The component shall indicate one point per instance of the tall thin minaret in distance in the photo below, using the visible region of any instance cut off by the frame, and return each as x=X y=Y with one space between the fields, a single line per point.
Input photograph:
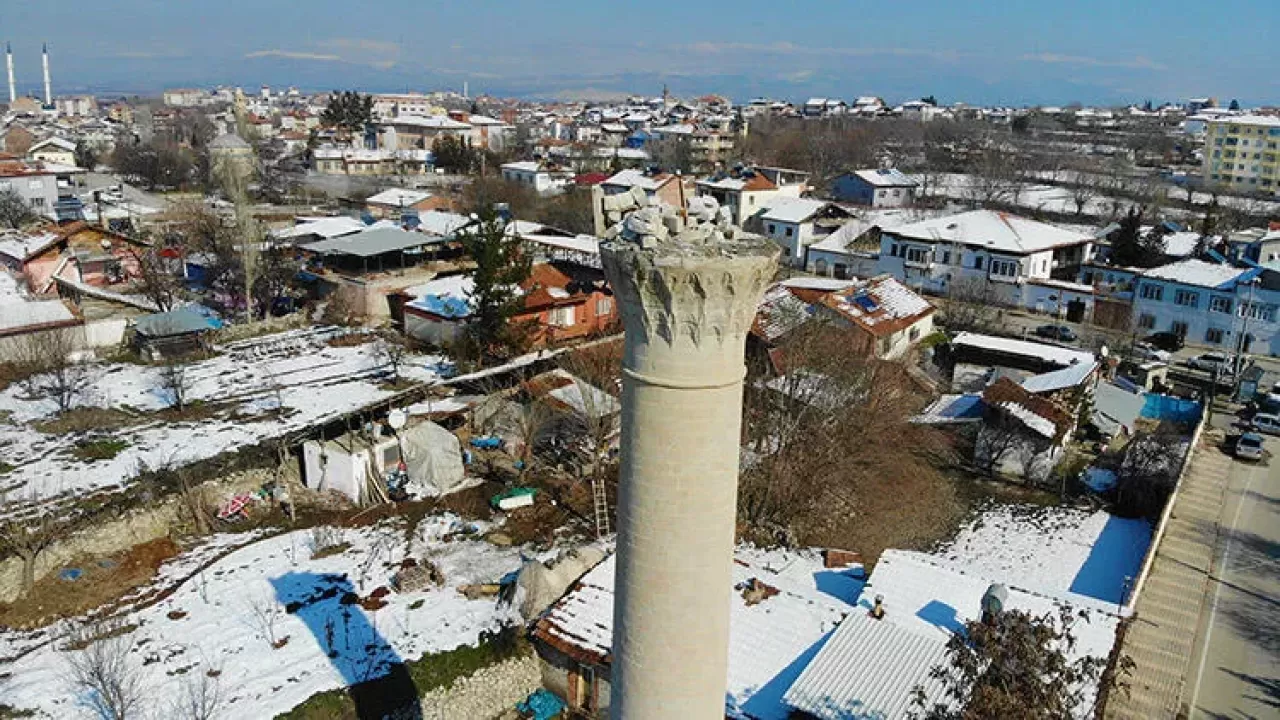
x=48 y=87
x=8 y=58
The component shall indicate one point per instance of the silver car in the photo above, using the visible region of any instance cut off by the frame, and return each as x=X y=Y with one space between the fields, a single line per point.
x=1266 y=423
x=1249 y=446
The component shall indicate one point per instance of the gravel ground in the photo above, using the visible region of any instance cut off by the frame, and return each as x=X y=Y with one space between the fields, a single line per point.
x=486 y=694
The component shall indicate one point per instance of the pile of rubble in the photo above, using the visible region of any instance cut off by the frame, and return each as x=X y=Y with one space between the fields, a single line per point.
x=634 y=217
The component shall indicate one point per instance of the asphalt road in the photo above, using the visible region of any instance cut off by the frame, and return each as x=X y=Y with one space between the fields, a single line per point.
x=1235 y=669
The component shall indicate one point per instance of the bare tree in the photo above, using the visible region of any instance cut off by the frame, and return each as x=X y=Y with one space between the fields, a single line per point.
x=1001 y=440
x=27 y=537
x=14 y=210
x=970 y=305
x=200 y=697
x=157 y=280
x=391 y=350
x=50 y=369
x=195 y=501
x=175 y=383
x=264 y=613
x=1083 y=192
x=101 y=671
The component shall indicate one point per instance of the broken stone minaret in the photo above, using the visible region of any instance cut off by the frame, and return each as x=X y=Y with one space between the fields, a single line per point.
x=688 y=286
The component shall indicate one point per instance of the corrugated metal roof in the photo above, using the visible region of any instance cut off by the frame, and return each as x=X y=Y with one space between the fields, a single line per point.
x=868 y=669
x=375 y=241
x=1067 y=377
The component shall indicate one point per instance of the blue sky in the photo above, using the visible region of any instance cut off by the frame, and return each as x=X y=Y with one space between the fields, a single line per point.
x=1033 y=51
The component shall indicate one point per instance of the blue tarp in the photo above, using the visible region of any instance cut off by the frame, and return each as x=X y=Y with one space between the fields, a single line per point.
x=1172 y=409
x=446 y=306
x=541 y=705
x=190 y=319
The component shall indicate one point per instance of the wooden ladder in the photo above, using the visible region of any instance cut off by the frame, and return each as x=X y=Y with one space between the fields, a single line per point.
x=601 y=501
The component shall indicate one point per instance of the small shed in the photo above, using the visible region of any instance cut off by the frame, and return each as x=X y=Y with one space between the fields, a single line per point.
x=176 y=332
x=350 y=464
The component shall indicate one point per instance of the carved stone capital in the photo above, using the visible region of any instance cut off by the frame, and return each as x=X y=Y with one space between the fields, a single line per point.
x=699 y=298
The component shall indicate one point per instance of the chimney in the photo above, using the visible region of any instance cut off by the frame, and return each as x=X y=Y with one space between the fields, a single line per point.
x=48 y=87
x=877 y=610
x=13 y=87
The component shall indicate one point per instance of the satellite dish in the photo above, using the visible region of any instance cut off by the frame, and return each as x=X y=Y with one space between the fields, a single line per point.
x=397 y=419
x=1104 y=351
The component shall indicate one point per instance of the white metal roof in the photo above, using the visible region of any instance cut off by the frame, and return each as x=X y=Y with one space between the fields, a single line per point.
x=1026 y=348
x=374 y=241
x=926 y=600
x=321 y=227
x=1198 y=273
x=634 y=178
x=523 y=166
x=398 y=197
x=767 y=641
x=794 y=210
x=1067 y=377
x=992 y=230
x=885 y=177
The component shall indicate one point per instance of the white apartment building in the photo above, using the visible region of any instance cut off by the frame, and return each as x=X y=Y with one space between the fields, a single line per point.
x=1209 y=304
x=1003 y=252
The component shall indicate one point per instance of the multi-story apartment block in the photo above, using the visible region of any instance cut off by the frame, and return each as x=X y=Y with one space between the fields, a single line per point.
x=1242 y=154
x=1211 y=304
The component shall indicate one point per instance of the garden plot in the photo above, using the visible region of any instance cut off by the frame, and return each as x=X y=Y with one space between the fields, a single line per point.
x=280 y=619
x=261 y=388
x=1053 y=550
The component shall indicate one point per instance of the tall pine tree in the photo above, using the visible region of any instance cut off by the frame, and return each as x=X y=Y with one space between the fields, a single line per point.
x=501 y=267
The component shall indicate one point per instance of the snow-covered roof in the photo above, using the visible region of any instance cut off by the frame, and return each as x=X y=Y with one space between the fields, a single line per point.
x=990 y=229
x=579 y=243
x=818 y=283
x=327 y=227
x=439 y=222
x=881 y=305
x=768 y=641
x=1198 y=273
x=437 y=122
x=1257 y=120
x=1181 y=244
x=55 y=141
x=635 y=178
x=484 y=120
x=17 y=312
x=779 y=313
x=1067 y=377
x=1025 y=348
x=1041 y=425
x=860 y=671
x=885 y=177
x=398 y=197
x=523 y=166
x=794 y=210
x=22 y=247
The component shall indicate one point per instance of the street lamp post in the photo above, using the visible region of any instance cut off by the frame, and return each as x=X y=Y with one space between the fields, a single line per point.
x=1244 y=333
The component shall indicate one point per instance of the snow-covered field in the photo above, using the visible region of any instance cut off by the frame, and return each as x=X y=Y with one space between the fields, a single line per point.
x=1053 y=551
x=296 y=369
x=218 y=620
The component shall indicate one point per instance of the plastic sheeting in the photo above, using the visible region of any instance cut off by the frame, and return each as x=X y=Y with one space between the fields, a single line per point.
x=433 y=458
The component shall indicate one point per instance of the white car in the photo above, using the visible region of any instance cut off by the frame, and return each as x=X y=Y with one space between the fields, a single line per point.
x=1212 y=362
x=1143 y=351
x=1266 y=423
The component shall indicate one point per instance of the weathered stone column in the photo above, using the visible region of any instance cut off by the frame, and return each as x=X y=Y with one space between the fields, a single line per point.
x=687 y=309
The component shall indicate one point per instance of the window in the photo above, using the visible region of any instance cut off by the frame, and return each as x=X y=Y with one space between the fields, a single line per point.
x=917 y=255
x=791 y=231
x=1004 y=268
x=1220 y=304
x=820 y=267
x=773 y=229
x=35 y=184
x=1179 y=328
x=977 y=262
x=1146 y=322
x=1213 y=335
x=893 y=250
x=897 y=193
x=1151 y=292
x=946 y=257
x=604 y=306
x=561 y=316
x=37 y=203
x=842 y=271
x=914 y=333
x=1186 y=298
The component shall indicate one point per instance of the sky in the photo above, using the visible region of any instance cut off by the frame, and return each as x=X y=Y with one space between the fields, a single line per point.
x=991 y=52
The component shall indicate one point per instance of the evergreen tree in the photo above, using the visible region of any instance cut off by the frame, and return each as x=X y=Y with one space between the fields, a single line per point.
x=496 y=297
x=1130 y=247
x=1235 y=105
x=453 y=154
x=349 y=111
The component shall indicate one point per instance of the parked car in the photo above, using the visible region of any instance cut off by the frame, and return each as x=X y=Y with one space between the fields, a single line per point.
x=1249 y=446
x=1057 y=332
x=1266 y=423
x=1143 y=351
x=1213 y=363
x=1167 y=341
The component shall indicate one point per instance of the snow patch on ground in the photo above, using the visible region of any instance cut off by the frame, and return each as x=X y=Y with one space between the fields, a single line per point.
x=297 y=370
x=211 y=620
